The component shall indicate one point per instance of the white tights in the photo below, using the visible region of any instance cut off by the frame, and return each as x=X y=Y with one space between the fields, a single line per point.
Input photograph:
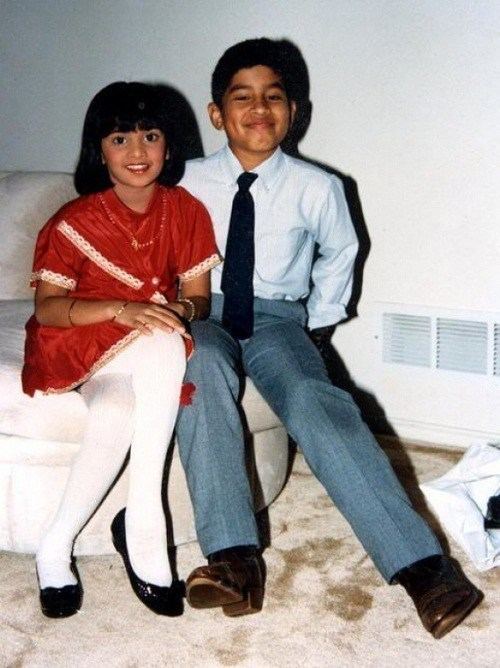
x=133 y=401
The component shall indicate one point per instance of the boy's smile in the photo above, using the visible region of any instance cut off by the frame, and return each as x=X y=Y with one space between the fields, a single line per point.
x=255 y=114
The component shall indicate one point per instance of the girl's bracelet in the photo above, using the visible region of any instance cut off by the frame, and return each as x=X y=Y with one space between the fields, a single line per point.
x=120 y=311
x=192 y=307
x=72 y=324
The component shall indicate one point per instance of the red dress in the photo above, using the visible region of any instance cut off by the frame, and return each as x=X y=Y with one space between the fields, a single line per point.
x=98 y=248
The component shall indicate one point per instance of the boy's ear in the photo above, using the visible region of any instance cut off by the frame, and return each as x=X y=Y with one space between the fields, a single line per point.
x=215 y=116
x=293 y=111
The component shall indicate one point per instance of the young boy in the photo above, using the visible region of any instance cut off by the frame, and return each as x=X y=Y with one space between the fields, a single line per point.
x=269 y=210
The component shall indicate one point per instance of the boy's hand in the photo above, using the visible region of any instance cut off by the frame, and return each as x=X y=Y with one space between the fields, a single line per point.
x=322 y=339
x=146 y=317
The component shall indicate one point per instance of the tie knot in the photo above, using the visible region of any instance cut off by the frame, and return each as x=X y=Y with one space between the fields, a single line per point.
x=245 y=180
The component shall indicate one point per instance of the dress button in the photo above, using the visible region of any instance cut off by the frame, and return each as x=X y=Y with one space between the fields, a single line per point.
x=155 y=280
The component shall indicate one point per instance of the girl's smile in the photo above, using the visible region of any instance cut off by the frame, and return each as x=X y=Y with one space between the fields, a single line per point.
x=134 y=159
x=138 y=169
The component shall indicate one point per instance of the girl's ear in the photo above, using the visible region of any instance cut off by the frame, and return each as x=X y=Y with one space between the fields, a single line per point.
x=103 y=159
x=215 y=116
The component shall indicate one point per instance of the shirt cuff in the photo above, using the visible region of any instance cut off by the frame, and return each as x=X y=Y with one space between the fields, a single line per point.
x=329 y=315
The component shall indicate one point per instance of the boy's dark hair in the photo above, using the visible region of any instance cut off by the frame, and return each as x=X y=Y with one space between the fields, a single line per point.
x=123 y=107
x=276 y=54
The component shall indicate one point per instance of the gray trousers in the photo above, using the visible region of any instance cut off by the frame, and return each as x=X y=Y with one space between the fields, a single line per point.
x=324 y=421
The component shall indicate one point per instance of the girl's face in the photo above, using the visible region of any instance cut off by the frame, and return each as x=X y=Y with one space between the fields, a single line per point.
x=134 y=159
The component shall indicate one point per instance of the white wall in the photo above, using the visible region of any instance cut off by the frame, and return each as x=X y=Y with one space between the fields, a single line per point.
x=405 y=99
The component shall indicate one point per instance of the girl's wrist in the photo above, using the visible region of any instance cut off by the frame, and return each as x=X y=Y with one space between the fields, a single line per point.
x=70 y=310
x=117 y=309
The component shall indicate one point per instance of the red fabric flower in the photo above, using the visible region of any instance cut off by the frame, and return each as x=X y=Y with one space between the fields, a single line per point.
x=187 y=393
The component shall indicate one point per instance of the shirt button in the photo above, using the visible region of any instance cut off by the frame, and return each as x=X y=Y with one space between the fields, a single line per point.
x=155 y=280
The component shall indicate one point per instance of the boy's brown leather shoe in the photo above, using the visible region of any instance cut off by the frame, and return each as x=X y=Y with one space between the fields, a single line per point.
x=440 y=591
x=233 y=579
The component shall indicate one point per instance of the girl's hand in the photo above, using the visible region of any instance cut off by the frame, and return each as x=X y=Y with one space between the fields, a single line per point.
x=146 y=317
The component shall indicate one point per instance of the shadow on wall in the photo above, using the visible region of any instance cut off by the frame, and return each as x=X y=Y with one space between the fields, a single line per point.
x=187 y=131
x=372 y=411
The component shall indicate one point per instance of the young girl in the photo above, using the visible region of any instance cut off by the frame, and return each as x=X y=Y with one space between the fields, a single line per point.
x=118 y=273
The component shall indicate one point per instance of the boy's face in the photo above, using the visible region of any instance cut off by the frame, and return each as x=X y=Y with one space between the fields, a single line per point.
x=255 y=114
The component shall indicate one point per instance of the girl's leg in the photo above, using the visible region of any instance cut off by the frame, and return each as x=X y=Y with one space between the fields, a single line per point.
x=137 y=393
x=107 y=437
x=156 y=365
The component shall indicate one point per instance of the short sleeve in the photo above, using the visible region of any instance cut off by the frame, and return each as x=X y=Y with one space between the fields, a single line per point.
x=57 y=260
x=196 y=248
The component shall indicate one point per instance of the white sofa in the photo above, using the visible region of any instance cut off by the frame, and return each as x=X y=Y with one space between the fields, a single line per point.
x=39 y=436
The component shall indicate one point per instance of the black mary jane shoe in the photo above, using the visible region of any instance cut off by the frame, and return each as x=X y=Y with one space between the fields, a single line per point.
x=57 y=602
x=162 y=600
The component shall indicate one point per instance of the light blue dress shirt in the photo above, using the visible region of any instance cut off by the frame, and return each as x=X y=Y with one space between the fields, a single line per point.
x=296 y=206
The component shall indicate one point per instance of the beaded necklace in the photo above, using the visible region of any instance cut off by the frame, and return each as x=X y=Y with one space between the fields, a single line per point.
x=133 y=240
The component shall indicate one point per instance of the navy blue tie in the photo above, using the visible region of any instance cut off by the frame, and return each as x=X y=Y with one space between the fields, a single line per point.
x=239 y=261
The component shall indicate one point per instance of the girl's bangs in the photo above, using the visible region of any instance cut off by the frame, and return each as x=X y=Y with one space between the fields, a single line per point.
x=127 y=107
x=128 y=123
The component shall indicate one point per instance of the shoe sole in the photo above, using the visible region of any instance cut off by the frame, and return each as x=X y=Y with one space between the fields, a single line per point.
x=457 y=614
x=250 y=605
x=204 y=593
x=61 y=613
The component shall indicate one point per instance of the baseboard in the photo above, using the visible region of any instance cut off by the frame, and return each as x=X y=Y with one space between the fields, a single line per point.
x=439 y=434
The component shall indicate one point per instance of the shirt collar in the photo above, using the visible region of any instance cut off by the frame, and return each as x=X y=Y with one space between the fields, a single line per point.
x=268 y=171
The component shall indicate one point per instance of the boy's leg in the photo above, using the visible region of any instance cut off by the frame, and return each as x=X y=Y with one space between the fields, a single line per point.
x=357 y=475
x=289 y=372
x=211 y=443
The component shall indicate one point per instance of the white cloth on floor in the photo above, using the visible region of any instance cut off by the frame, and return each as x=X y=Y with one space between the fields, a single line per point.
x=460 y=498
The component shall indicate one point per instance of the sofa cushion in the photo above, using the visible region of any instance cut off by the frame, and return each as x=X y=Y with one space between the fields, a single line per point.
x=27 y=200
x=58 y=417
x=61 y=417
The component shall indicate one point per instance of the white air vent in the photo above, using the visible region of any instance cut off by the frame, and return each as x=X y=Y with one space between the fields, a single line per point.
x=462 y=345
x=407 y=339
x=496 y=350
x=441 y=339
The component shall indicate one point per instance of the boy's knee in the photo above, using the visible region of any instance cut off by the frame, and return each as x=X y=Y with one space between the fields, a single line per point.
x=309 y=395
x=214 y=349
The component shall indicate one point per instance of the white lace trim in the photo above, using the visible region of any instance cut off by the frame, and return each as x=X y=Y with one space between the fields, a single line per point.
x=93 y=254
x=200 y=268
x=104 y=359
x=158 y=298
x=53 y=277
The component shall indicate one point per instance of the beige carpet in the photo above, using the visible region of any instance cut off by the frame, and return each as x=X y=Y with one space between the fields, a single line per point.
x=325 y=603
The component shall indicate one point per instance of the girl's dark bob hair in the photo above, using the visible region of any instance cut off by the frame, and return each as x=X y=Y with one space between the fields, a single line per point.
x=124 y=107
